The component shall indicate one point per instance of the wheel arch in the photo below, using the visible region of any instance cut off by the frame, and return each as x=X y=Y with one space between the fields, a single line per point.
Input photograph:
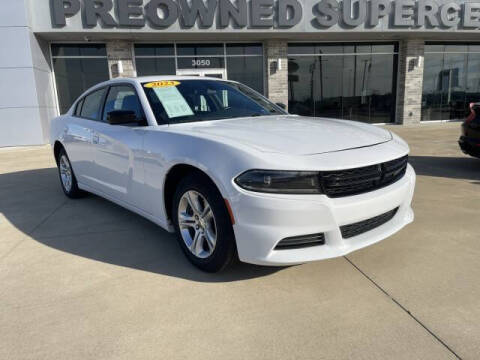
x=173 y=177
x=57 y=147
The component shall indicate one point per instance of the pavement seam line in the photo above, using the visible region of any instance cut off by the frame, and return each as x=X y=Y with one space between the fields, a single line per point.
x=404 y=309
x=33 y=230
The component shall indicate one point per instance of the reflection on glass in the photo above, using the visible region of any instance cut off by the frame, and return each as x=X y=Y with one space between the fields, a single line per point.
x=244 y=49
x=199 y=49
x=74 y=76
x=361 y=101
x=77 y=67
x=472 y=93
x=78 y=50
x=382 y=102
x=154 y=50
x=330 y=49
x=329 y=102
x=155 y=66
x=384 y=49
x=246 y=70
x=357 y=86
x=301 y=90
x=453 y=84
x=349 y=81
x=243 y=61
x=451 y=80
x=92 y=104
x=432 y=95
x=301 y=48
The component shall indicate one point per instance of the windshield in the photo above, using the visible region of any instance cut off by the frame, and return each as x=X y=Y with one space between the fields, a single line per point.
x=184 y=101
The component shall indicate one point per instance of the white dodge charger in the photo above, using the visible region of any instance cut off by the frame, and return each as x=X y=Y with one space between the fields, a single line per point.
x=232 y=173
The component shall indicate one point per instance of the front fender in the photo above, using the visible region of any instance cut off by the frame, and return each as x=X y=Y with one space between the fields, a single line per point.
x=164 y=150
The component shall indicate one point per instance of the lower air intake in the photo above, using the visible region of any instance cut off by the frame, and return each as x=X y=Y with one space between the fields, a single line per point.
x=298 y=242
x=349 y=231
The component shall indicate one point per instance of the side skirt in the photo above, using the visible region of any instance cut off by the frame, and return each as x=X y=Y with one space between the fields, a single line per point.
x=166 y=226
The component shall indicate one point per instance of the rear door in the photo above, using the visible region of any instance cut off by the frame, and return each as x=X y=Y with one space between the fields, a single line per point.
x=119 y=148
x=80 y=136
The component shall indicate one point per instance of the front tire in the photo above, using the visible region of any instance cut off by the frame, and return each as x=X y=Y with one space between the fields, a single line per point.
x=67 y=176
x=202 y=224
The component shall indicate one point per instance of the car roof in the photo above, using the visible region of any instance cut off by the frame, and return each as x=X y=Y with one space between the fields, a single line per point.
x=143 y=79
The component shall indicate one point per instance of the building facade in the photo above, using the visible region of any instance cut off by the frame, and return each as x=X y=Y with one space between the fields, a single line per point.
x=375 y=61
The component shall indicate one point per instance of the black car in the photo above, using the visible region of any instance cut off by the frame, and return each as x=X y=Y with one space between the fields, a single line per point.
x=470 y=139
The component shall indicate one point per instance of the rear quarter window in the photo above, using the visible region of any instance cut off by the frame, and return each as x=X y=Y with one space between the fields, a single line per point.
x=78 y=108
x=92 y=105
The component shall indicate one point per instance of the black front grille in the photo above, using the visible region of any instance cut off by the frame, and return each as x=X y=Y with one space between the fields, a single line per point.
x=303 y=241
x=361 y=180
x=349 y=231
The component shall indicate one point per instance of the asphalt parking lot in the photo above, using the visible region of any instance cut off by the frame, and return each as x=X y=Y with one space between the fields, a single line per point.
x=87 y=279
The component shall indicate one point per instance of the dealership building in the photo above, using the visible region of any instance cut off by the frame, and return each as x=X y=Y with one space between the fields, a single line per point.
x=375 y=61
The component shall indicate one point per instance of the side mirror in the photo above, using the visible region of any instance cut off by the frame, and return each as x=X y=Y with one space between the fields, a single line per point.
x=121 y=117
x=282 y=105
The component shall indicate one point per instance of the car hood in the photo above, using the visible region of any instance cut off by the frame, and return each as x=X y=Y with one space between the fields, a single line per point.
x=291 y=134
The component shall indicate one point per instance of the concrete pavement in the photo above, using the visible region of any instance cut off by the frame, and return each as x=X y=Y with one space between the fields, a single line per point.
x=86 y=279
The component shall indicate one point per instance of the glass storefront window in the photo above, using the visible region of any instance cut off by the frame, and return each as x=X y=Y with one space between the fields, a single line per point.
x=346 y=81
x=302 y=90
x=244 y=49
x=472 y=93
x=77 y=68
x=246 y=70
x=155 y=59
x=302 y=49
x=451 y=80
x=199 y=49
x=79 y=50
x=155 y=50
x=383 y=49
x=329 y=50
x=330 y=89
x=382 y=102
x=243 y=62
x=155 y=66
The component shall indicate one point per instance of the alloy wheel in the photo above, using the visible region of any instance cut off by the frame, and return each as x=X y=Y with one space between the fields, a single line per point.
x=197 y=224
x=66 y=173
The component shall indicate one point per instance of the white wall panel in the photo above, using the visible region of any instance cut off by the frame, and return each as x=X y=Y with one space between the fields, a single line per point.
x=14 y=41
x=20 y=126
x=14 y=13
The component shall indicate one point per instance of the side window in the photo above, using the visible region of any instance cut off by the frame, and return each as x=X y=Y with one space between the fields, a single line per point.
x=92 y=105
x=124 y=98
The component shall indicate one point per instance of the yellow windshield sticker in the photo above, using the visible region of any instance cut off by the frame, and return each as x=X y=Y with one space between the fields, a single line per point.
x=162 y=84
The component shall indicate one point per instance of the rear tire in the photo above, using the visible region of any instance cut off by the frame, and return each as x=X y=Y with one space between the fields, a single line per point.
x=68 y=180
x=202 y=223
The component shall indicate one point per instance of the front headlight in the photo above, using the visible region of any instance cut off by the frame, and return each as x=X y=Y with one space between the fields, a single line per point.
x=280 y=182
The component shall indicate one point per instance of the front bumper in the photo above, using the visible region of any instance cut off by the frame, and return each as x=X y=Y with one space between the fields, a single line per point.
x=263 y=220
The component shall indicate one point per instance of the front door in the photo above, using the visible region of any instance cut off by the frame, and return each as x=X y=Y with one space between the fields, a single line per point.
x=216 y=73
x=119 y=169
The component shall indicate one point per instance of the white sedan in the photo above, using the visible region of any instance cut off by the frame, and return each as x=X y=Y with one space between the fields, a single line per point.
x=232 y=173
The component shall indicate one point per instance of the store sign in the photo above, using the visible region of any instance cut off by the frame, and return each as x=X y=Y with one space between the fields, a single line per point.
x=266 y=14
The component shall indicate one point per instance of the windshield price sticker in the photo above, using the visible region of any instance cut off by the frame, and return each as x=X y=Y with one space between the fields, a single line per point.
x=162 y=84
x=173 y=102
